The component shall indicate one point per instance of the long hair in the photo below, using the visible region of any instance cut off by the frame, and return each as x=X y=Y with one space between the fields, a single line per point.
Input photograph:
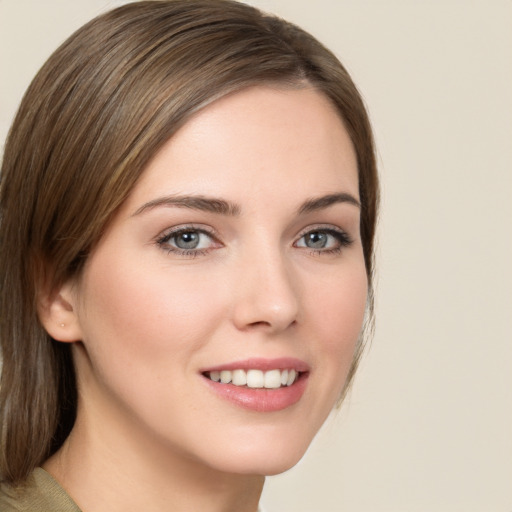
x=93 y=117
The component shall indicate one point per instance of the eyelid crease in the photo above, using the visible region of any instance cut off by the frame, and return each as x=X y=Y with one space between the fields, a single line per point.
x=186 y=228
x=326 y=228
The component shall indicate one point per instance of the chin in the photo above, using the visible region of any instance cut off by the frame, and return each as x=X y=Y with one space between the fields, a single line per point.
x=263 y=466
x=263 y=455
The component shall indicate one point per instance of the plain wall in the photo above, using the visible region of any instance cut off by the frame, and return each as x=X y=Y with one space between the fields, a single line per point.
x=428 y=426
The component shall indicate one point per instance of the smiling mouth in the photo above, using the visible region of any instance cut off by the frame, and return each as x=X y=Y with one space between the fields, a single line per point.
x=255 y=379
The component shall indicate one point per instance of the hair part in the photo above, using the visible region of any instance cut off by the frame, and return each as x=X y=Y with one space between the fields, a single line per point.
x=88 y=125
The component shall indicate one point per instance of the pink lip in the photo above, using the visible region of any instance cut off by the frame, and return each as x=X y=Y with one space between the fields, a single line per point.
x=257 y=363
x=261 y=400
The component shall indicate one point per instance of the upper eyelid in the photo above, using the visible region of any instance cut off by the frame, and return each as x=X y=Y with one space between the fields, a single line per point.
x=322 y=227
x=164 y=238
x=184 y=228
x=214 y=234
x=345 y=237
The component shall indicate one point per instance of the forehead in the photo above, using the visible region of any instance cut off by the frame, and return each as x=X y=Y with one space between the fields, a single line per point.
x=261 y=140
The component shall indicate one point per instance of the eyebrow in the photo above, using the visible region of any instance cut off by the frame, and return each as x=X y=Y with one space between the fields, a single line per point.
x=319 y=203
x=202 y=203
x=223 y=207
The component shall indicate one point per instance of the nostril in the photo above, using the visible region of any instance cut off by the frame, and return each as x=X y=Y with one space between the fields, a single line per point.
x=259 y=324
x=266 y=325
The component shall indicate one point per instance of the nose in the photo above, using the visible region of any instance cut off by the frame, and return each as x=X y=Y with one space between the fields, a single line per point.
x=267 y=294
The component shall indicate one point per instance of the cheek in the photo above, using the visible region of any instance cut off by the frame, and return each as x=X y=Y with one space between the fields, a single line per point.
x=142 y=331
x=337 y=310
x=140 y=315
x=339 y=307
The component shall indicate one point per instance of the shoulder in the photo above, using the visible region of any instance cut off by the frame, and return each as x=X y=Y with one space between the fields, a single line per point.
x=40 y=493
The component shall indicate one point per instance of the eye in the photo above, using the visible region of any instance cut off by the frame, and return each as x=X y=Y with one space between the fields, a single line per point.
x=326 y=240
x=188 y=241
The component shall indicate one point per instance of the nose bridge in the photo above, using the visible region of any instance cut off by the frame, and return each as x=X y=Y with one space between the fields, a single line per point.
x=267 y=290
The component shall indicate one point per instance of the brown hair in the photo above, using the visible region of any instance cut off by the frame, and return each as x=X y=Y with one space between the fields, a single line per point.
x=91 y=120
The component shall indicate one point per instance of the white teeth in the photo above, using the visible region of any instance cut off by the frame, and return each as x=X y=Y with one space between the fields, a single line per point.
x=239 y=378
x=255 y=379
x=225 y=376
x=272 y=379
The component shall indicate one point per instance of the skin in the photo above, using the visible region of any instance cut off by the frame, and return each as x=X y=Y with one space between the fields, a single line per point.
x=145 y=320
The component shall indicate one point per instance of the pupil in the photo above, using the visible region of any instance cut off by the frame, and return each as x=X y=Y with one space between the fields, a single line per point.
x=316 y=240
x=187 y=240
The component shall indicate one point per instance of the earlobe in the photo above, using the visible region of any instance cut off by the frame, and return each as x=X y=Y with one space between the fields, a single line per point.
x=57 y=312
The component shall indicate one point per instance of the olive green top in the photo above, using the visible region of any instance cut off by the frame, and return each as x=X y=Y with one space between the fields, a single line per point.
x=41 y=493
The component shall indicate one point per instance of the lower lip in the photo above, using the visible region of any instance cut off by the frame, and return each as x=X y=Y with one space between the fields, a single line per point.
x=261 y=399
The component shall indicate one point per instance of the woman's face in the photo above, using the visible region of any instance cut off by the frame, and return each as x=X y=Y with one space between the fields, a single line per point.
x=237 y=256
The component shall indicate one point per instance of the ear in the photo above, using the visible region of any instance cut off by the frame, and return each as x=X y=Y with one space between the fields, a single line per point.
x=58 y=313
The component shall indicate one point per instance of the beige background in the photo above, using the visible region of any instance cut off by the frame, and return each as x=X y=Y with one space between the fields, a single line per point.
x=428 y=427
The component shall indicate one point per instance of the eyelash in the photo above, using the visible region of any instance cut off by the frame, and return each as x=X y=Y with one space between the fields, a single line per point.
x=342 y=238
x=163 y=241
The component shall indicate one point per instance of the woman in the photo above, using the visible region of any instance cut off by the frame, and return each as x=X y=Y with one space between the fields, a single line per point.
x=188 y=204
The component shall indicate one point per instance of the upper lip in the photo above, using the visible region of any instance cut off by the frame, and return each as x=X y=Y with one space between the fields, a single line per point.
x=259 y=363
